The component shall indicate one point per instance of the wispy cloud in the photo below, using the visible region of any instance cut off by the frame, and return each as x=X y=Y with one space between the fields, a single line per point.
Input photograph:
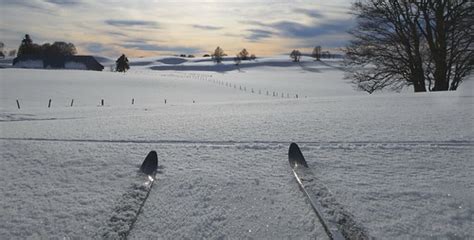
x=160 y=48
x=314 y=13
x=206 y=27
x=65 y=2
x=258 y=34
x=97 y=47
x=130 y=23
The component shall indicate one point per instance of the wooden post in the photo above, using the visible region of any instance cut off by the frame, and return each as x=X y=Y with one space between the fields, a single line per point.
x=102 y=102
x=133 y=101
x=49 y=103
x=18 y=104
x=72 y=102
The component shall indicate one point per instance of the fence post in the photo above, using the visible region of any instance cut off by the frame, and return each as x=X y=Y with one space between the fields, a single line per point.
x=102 y=102
x=18 y=104
x=133 y=101
x=49 y=103
x=72 y=102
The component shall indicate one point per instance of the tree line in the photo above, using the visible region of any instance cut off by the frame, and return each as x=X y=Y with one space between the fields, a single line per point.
x=27 y=47
x=422 y=43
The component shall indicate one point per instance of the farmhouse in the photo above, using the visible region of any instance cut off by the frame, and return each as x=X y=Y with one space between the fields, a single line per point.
x=58 y=62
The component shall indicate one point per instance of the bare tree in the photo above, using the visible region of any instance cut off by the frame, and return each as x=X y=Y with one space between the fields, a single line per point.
x=316 y=53
x=218 y=55
x=447 y=27
x=244 y=54
x=399 y=43
x=295 y=55
x=237 y=61
x=387 y=49
x=2 y=45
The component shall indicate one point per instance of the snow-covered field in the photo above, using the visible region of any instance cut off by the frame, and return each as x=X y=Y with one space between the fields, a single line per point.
x=401 y=163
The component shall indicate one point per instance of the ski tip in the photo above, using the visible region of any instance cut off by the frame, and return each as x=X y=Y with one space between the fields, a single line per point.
x=295 y=157
x=150 y=164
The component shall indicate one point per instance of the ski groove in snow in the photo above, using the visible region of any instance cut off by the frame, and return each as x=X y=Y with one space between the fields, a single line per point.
x=266 y=144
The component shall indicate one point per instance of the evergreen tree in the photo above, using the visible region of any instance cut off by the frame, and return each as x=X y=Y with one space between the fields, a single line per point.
x=122 y=64
x=27 y=47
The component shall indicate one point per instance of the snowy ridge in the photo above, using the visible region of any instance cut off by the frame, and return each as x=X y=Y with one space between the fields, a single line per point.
x=128 y=208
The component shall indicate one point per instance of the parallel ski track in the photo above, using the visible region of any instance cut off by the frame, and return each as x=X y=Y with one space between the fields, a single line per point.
x=338 y=144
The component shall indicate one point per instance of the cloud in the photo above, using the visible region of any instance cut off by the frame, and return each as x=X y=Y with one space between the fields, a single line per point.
x=206 y=27
x=97 y=47
x=299 y=30
x=138 y=45
x=258 y=34
x=65 y=2
x=130 y=23
x=313 y=13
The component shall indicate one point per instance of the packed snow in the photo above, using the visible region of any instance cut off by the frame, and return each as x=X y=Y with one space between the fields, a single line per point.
x=401 y=163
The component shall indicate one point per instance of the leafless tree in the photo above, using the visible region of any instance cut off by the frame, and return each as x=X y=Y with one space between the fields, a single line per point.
x=386 y=50
x=295 y=55
x=218 y=55
x=316 y=54
x=447 y=26
x=399 y=43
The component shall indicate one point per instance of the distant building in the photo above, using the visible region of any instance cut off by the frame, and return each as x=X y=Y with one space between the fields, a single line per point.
x=59 y=62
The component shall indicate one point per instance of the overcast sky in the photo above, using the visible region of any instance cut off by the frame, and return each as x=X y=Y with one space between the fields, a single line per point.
x=144 y=28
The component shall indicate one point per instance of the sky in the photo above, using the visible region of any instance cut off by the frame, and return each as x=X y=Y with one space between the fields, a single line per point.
x=141 y=28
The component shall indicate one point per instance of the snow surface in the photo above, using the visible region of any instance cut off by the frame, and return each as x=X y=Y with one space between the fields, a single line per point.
x=401 y=163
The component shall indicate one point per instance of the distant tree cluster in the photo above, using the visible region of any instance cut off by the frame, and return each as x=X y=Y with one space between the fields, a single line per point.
x=121 y=65
x=425 y=44
x=27 y=47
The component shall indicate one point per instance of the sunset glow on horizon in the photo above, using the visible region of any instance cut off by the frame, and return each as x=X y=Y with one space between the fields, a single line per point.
x=146 y=28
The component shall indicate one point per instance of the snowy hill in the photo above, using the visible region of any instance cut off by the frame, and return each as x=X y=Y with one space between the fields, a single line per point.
x=401 y=163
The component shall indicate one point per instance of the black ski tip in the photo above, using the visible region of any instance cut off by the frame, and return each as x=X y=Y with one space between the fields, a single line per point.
x=150 y=164
x=295 y=157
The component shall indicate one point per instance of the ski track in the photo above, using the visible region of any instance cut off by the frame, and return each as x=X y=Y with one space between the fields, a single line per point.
x=274 y=144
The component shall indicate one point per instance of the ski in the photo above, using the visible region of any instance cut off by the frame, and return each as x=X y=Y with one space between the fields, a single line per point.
x=126 y=212
x=337 y=222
